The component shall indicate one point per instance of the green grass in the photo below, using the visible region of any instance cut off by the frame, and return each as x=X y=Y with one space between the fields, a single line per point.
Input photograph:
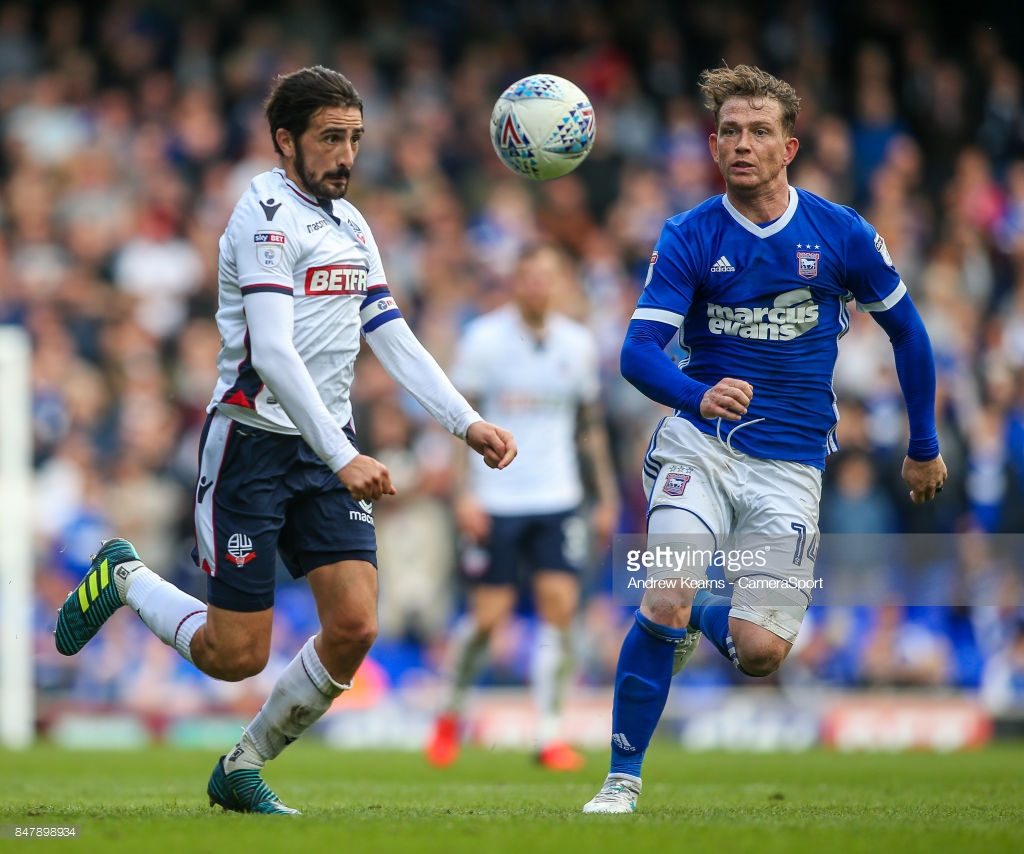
x=494 y=801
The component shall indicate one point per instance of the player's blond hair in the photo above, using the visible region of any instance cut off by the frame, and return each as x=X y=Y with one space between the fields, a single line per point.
x=717 y=85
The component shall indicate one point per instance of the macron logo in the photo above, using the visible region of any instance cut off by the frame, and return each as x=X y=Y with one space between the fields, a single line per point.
x=723 y=265
x=621 y=742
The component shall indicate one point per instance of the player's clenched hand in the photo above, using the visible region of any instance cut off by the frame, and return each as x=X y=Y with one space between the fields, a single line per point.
x=924 y=479
x=727 y=399
x=473 y=523
x=366 y=478
x=495 y=444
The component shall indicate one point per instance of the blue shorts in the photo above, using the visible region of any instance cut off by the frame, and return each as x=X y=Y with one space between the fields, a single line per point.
x=518 y=546
x=261 y=494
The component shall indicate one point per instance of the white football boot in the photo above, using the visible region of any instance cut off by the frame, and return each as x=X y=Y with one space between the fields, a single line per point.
x=685 y=649
x=617 y=795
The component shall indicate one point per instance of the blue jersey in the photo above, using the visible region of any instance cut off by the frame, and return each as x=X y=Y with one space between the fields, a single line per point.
x=768 y=304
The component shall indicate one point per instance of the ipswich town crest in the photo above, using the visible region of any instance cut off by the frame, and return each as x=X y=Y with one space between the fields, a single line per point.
x=675 y=483
x=807 y=264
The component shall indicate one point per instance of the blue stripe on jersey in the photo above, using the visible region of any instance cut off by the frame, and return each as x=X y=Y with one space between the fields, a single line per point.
x=381 y=319
x=378 y=308
x=375 y=292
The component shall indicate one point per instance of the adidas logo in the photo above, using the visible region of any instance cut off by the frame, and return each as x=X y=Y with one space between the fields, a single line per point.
x=723 y=265
x=621 y=742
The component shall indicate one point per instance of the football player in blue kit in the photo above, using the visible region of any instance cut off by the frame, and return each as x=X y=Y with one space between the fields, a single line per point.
x=756 y=284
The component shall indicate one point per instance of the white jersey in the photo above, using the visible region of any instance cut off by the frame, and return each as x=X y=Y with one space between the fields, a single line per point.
x=533 y=387
x=279 y=239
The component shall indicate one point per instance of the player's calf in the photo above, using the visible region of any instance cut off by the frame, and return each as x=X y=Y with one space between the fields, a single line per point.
x=233 y=645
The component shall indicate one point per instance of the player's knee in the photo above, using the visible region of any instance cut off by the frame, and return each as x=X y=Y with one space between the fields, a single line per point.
x=668 y=607
x=558 y=614
x=239 y=665
x=763 y=659
x=489 y=616
x=352 y=634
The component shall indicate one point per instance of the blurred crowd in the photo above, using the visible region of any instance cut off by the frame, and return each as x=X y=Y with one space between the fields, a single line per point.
x=130 y=130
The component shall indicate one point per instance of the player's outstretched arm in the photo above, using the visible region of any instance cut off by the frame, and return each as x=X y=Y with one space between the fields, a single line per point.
x=410 y=365
x=495 y=444
x=923 y=469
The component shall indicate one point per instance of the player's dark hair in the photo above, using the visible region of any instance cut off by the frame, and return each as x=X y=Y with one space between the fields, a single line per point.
x=717 y=85
x=295 y=97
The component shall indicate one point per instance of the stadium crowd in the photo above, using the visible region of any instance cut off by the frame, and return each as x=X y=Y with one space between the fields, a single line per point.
x=129 y=133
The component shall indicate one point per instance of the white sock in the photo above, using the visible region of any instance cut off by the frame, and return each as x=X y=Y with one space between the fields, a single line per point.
x=172 y=615
x=552 y=664
x=470 y=652
x=302 y=693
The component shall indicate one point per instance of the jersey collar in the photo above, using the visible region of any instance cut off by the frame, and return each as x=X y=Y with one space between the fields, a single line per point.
x=768 y=230
x=302 y=195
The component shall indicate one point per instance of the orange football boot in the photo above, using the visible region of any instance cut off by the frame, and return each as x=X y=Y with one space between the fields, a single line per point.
x=559 y=756
x=443 y=747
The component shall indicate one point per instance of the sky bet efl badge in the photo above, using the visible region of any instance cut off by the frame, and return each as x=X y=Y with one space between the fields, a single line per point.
x=269 y=247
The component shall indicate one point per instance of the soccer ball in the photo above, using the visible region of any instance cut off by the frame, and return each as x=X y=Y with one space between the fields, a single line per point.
x=543 y=126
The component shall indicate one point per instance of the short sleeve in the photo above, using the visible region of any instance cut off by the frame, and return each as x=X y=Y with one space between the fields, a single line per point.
x=469 y=370
x=671 y=282
x=265 y=253
x=870 y=274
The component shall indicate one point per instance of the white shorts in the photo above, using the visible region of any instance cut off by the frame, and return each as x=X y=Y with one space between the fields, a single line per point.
x=762 y=516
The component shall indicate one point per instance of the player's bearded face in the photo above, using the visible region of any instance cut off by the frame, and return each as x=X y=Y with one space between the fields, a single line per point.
x=328 y=184
x=325 y=153
x=751 y=147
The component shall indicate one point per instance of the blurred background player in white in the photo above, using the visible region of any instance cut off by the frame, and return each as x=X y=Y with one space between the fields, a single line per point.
x=300 y=279
x=535 y=370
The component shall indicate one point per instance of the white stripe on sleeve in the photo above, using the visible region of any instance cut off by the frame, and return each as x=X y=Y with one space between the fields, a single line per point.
x=660 y=315
x=885 y=304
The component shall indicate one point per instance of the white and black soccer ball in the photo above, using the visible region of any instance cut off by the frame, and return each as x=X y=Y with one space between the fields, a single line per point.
x=543 y=126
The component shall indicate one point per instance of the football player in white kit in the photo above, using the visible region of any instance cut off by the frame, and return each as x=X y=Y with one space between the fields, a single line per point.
x=536 y=371
x=300 y=279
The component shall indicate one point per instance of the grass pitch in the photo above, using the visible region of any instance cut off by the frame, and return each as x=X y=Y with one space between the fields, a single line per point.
x=494 y=801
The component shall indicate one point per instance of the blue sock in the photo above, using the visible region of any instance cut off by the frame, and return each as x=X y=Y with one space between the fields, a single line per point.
x=710 y=614
x=642 y=681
